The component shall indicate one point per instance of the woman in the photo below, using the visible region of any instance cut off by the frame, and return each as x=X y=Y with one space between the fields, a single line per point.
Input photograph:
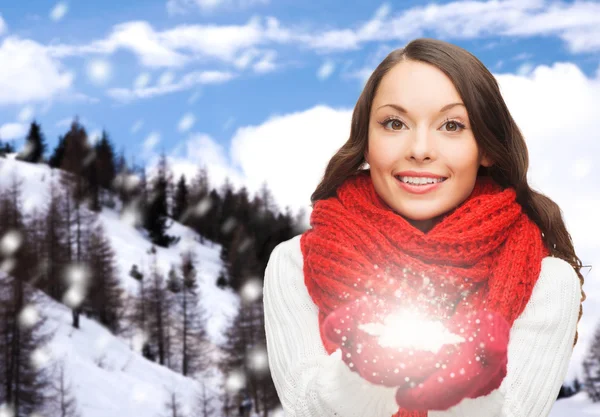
x=442 y=224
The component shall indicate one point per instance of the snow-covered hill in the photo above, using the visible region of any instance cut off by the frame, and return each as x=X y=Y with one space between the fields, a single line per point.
x=108 y=375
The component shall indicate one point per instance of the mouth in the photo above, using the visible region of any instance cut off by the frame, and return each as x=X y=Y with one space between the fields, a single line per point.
x=420 y=188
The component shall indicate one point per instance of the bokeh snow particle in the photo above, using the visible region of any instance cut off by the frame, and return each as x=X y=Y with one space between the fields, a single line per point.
x=8 y=265
x=138 y=340
x=99 y=71
x=258 y=360
x=41 y=357
x=228 y=225
x=26 y=114
x=59 y=11
x=166 y=79
x=141 y=80
x=137 y=126
x=251 y=290
x=203 y=206
x=186 y=122
x=236 y=380
x=28 y=317
x=6 y=410
x=11 y=241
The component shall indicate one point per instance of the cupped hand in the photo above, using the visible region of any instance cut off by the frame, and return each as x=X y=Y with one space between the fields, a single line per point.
x=363 y=353
x=471 y=369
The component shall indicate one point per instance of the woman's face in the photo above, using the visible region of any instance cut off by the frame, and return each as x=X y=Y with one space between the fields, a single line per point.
x=412 y=127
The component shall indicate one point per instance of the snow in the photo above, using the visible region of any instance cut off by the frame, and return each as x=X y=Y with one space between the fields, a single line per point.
x=107 y=373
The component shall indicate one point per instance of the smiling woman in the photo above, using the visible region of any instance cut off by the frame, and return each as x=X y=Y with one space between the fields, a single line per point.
x=441 y=224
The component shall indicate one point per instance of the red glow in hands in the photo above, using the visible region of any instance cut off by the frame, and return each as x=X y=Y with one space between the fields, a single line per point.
x=477 y=367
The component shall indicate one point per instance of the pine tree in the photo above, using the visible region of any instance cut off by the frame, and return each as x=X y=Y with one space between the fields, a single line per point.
x=156 y=210
x=140 y=314
x=81 y=223
x=204 y=398
x=200 y=203
x=35 y=145
x=105 y=164
x=173 y=407
x=55 y=251
x=180 y=204
x=158 y=309
x=58 y=153
x=591 y=368
x=23 y=381
x=194 y=338
x=5 y=148
x=105 y=294
x=64 y=403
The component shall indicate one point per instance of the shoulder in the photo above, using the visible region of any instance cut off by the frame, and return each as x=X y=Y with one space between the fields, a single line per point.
x=558 y=289
x=558 y=272
x=288 y=253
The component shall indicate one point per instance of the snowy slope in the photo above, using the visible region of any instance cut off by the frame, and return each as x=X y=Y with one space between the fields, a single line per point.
x=109 y=377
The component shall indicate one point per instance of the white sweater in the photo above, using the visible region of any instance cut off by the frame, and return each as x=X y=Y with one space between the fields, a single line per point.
x=311 y=383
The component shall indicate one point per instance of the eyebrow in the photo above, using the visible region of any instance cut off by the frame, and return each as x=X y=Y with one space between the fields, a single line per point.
x=403 y=110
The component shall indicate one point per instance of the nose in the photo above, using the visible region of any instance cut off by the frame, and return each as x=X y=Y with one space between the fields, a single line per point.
x=421 y=146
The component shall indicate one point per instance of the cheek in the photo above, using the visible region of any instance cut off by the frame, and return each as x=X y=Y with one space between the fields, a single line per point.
x=461 y=157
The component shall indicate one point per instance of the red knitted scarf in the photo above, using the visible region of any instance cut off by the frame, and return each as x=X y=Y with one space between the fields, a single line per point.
x=485 y=254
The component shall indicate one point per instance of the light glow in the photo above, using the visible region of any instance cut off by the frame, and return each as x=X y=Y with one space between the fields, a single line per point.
x=409 y=329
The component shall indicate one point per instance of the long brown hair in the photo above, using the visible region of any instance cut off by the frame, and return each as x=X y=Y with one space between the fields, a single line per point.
x=494 y=129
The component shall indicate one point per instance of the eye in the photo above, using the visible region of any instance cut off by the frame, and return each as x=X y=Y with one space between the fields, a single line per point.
x=395 y=122
x=455 y=124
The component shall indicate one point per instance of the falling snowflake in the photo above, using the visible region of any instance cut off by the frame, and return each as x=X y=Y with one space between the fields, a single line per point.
x=11 y=241
x=28 y=316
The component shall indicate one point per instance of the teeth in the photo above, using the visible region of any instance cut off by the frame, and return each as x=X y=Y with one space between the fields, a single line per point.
x=420 y=180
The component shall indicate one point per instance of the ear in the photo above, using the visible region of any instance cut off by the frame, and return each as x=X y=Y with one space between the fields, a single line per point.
x=366 y=155
x=486 y=161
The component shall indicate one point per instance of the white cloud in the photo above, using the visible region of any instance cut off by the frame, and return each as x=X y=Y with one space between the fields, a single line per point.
x=326 y=70
x=59 y=11
x=141 y=81
x=3 y=27
x=186 y=122
x=26 y=114
x=577 y=24
x=180 y=45
x=292 y=167
x=29 y=74
x=202 y=150
x=99 y=71
x=187 y=81
x=139 y=37
x=13 y=131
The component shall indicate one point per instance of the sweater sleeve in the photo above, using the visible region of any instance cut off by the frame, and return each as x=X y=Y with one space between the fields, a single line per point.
x=539 y=350
x=308 y=381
